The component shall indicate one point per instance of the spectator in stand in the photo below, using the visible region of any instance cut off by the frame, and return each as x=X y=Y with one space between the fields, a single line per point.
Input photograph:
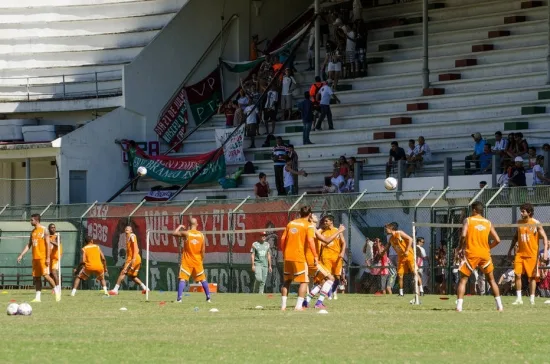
x=238 y=118
x=314 y=97
x=422 y=153
x=329 y=187
x=261 y=189
x=352 y=161
x=479 y=144
x=306 y=109
x=333 y=61
x=289 y=83
x=546 y=147
x=485 y=160
x=243 y=100
x=532 y=154
x=500 y=144
x=251 y=113
x=410 y=149
x=361 y=46
x=288 y=177
x=519 y=148
x=254 y=47
x=326 y=94
x=338 y=180
x=350 y=182
x=482 y=184
x=294 y=165
x=538 y=173
x=396 y=154
x=516 y=174
x=350 y=66
x=228 y=109
x=342 y=166
x=381 y=261
x=311 y=49
x=270 y=109
x=279 y=154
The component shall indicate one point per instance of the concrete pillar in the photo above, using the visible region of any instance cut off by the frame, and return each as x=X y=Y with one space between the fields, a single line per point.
x=317 y=38
x=548 y=50
x=425 y=66
x=28 y=180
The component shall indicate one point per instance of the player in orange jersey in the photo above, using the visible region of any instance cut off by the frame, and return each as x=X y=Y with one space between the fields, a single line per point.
x=39 y=241
x=402 y=244
x=56 y=253
x=93 y=263
x=297 y=235
x=132 y=264
x=333 y=253
x=527 y=239
x=476 y=249
x=192 y=258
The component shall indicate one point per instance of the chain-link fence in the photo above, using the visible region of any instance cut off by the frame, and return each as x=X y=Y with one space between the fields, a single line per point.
x=233 y=225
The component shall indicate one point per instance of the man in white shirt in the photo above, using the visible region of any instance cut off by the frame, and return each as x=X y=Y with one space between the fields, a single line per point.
x=338 y=180
x=288 y=85
x=349 y=65
x=325 y=94
x=422 y=153
x=251 y=113
x=270 y=109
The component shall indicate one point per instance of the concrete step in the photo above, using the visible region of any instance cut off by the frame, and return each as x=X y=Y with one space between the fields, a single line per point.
x=22 y=4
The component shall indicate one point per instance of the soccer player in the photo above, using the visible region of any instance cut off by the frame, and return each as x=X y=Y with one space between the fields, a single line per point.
x=261 y=262
x=55 y=254
x=526 y=262
x=332 y=254
x=39 y=241
x=402 y=244
x=93 y=263
x=476 y=249
x=320 y=275
x=192 y=258
x=132 y=264
x=297 y=235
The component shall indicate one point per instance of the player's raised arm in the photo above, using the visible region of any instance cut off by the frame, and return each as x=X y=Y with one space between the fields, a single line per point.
x=494 y=235
x=328 y=239
x=179 y=232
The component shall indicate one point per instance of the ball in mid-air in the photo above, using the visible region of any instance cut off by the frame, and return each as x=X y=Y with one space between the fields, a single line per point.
x=12 y=309
x=24 y=309
x=142 y=171
x=390 y=183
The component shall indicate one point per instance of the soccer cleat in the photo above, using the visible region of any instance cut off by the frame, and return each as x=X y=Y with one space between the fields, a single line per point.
x=320 y=306
x=299 y=309
x=458 y=310
x=304 y=304
x=105 y=293
x=178 y=301
x=401 y=295
x=113 y=293
x=518 y=301
x=36 y=300
x=208 y=300
x=283 y=308
x=144 y=291
x=500 y=309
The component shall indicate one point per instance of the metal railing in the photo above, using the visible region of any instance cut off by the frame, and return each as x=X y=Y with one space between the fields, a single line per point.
x=62 y=87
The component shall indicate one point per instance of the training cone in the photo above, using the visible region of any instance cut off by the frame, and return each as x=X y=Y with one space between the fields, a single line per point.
x=323 y=312
x=214 y=310
x=123 y=309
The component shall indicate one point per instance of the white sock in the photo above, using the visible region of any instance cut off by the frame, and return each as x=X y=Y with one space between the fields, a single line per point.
x=498 y=302
x=283 y=303
x=299 y=303
x=459 y=304
x=421 y=289
x=532 y=298
x=401 y=291
x=38 y=294
x=143 y=286
x=73 y=292
x=325 y=289
x=116 y=288
x=313 y=293
x=518 y=294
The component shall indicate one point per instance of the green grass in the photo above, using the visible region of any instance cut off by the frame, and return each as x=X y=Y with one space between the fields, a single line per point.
x=358 y=329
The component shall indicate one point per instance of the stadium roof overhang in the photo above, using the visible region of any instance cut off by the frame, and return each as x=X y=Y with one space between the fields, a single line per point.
x=27 y=150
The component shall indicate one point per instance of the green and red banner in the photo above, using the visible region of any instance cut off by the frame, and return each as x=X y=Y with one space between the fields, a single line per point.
x=205 y=96
x=172 y=123
x=178 y=170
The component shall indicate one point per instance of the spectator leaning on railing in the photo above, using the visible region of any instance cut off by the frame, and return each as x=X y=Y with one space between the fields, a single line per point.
x=422 y=153
x=479 y=144
x=396 y=154
x=485 y=160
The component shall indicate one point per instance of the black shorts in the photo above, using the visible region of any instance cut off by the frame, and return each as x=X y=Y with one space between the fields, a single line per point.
x=270 y=115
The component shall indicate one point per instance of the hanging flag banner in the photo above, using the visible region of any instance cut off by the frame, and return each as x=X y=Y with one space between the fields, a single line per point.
x=205 y=96
x=172 y=123
x=178 y=170
x=233 y=149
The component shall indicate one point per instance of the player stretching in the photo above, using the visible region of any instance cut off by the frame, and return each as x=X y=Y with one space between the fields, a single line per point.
x=402 y=244
x=132 y=264
x=526 y=261
x=192 y=258
x=55 y=255
x=39 y=241
x=93 y=263
x=475 y=247
x=297 y=235
x=320 y=275
x=332 y=254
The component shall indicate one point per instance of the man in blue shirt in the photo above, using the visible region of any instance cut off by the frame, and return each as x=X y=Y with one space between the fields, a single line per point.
x=306 y=108
x=485 y=160
x=478 y=151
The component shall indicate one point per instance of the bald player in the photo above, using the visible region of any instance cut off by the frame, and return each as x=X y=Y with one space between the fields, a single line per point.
x=476 y=249
x=39 y=242
x=297 y=235
x=527 y=238
x=192 y=258
x=133 y=263
x=93 y=264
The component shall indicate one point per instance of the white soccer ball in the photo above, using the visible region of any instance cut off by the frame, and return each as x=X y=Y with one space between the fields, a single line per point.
x=24 y=309
x=390 y=183
x=142 y=171
x=12 y=309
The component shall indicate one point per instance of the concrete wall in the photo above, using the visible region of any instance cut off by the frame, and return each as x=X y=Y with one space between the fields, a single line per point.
x=92 y=148
x=13 y=187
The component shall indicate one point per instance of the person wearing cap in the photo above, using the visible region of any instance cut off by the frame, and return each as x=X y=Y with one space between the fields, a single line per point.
x=326 y=94
x=478 y=151
x=260 y=256
x=516 y=174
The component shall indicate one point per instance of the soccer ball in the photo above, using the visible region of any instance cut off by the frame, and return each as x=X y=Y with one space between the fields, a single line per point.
x=24 y=309
x=142 y=171
x=390 y=183
x=12 y=309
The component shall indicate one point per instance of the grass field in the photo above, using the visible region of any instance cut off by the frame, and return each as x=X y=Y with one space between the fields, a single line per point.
x=358 y=329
